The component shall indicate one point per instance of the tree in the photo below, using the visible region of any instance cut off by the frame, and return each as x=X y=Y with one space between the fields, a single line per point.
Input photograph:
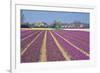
x=22 y=17
x=57 y=24
x=39 y=24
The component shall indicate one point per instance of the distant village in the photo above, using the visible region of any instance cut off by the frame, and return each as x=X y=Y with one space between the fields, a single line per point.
x=55 y=24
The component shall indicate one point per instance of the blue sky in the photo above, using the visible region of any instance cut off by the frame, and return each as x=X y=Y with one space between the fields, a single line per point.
x=50 y=16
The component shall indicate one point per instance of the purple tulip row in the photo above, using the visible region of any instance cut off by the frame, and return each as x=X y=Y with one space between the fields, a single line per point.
x=79 y=39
